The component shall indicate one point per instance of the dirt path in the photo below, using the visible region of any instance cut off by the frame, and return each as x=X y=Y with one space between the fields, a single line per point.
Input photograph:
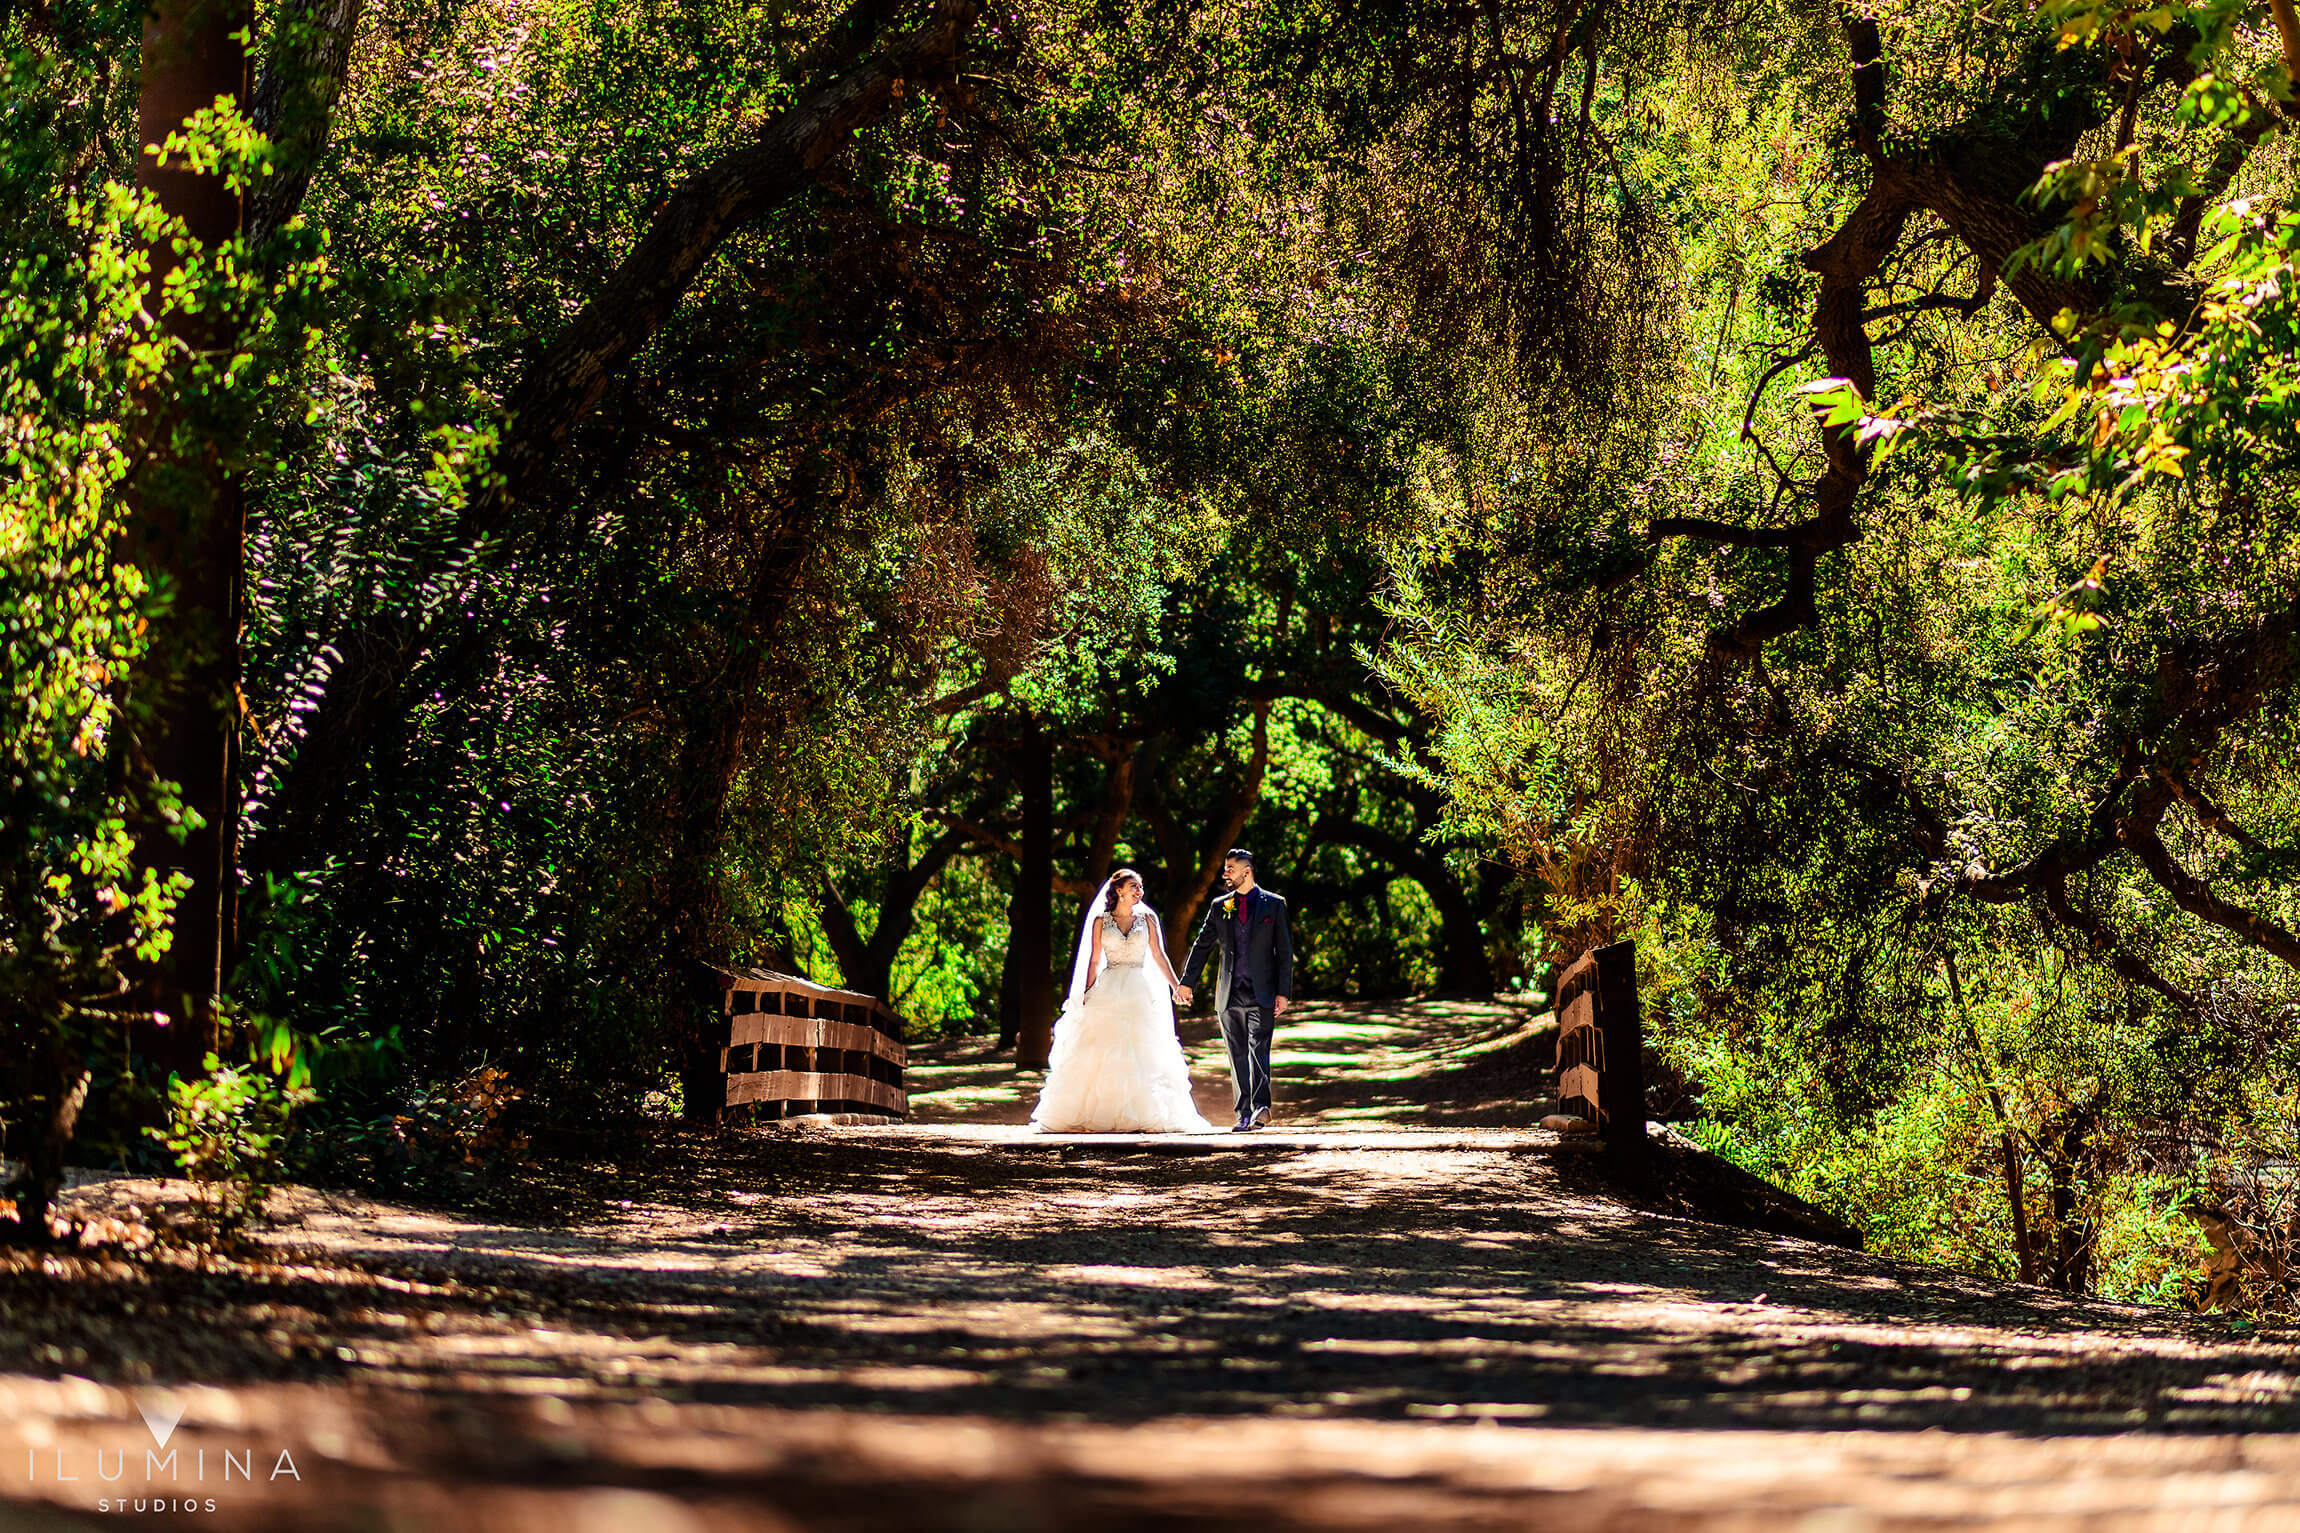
x=1355 y=1322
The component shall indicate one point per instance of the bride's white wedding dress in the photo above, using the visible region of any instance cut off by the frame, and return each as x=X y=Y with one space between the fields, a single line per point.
x=1117 y=1067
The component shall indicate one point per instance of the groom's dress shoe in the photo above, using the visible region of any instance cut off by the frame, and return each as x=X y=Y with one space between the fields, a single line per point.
x=1241 y=1125
x=1261 y=1118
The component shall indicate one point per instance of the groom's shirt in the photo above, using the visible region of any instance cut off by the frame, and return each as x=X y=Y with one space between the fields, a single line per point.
x=1242 y=972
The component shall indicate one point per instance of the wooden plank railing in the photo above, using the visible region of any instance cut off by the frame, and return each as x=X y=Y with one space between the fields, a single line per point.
x=1601 y=1049
x=799 y=1047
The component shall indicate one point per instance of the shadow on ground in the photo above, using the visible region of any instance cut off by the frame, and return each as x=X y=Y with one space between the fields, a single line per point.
x=960 y=1314
x=1428 y=1063
x=861 y=1270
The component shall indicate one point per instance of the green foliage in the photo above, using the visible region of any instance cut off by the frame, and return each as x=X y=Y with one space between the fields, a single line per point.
x=2073 y=527
x=228 y=1130
x=2151 y=1248
x=74 y=621
x=946 y=979
x=1311 y=425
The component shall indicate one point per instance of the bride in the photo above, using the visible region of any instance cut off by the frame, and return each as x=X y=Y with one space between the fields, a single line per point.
x=1117 y=1067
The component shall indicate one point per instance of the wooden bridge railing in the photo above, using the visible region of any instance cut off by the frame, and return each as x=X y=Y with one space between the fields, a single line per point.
x=1601 y=1049
x=798 y=1047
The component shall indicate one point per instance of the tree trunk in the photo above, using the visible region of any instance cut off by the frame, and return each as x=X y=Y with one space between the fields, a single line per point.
x=1110 y=819
x=187 y=531
x=2073 y=1233
x=844 y=95
x=1229 y=822
x=295 y=103
x=1009 y=984
x=2016 y=1189
x=1464 y=967
x=43 y=1180
x=45 y=1080
x=691 y=902
x=868 y=964
x=2016 y=1200
x=1030 y=941
x=1177 y=855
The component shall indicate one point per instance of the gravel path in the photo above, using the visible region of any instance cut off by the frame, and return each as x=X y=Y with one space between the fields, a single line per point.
x=1357 y=1321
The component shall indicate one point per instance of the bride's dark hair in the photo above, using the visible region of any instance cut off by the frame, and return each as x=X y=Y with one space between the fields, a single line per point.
x=1118 y=881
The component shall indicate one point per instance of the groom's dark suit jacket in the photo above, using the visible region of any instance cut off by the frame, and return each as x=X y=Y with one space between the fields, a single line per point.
x=1261 y=947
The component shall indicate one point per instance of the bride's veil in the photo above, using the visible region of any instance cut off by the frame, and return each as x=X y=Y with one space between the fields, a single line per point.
x=1094 y=913
x=1086 y=938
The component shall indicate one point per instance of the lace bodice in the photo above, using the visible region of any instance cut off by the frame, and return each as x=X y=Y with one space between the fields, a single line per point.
x=1126 y=950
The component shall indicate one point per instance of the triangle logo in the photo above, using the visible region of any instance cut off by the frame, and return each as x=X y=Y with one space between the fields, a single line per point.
x=160 y=1416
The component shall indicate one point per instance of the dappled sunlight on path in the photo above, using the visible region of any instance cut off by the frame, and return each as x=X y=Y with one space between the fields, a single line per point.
x=1334 y=1065
x=1385 y=1313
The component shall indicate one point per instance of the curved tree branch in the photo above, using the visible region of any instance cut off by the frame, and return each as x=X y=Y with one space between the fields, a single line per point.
x=294 y=104
x=2069 y=854
x=1222 y=831
x=1005 y=845
x=1467 y=968
x=566 y=382
x=2288 y=33
x=1337 y=697
x=2210 y=815
x=2104 y=945
x=362 y=692
x=2188 y=220
x=1866 y=49
x=1975 y=179
x=2195 y=896
x=1708 y=531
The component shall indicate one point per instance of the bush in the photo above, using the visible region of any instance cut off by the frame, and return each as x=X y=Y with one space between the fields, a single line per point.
x=229 y=1129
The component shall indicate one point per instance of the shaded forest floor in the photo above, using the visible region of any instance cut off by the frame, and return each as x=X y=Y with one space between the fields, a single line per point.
x=1404 y=1309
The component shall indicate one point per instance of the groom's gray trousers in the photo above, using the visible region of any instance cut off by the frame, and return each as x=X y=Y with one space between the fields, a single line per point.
x=1246 y=1029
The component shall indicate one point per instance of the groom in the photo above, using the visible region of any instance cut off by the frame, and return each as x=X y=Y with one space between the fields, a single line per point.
x=1248 y=927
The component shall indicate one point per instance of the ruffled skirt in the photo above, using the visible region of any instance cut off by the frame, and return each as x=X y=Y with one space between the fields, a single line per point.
x=1117 y=1067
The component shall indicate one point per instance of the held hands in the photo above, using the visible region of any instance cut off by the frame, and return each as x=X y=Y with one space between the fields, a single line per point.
x=1183 y=996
